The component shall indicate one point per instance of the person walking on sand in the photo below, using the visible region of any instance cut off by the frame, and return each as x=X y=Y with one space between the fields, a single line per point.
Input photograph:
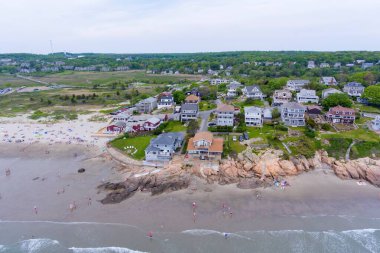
x=150 y=235
x=89 y=201
x=71 y=207
x=35 y=210
x=194 y=206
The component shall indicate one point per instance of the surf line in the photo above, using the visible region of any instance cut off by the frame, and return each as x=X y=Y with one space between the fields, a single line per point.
x=71 y=223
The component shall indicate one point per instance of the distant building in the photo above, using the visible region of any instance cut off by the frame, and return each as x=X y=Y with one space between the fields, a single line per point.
x=164 y=146
x=267 y=114
x=328 y=80
x=218 y=81
x=147 y=105
x=118 y=127
x=376 y=123
x=307 y=96
x=329 y=91
x=324 y=65
x=313 y=110
x=253 y=91
x=296 y=85
x=310 y=64
x=293 y=114
x=253 y=116
x=189 y=112
x=281 y=97
x=350 y=65
x=233 y=89
x=205 y=146
x=354 y=89
x=367 y=65
x=165 y=100
x=337 y=65
x=342 y=115
x=225 y=115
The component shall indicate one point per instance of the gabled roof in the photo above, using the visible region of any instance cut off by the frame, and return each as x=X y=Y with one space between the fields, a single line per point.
x=191 y=107
x=167 y=138
x=225 y=108
x=192 y=98
x=208 y=136
x=293 y=105
x=250 y=88
x=253 y=109
x=120 y=124
x=341 y=109
x=153 y=120
x=354 y=84
x=299 y=81
x=328 y=79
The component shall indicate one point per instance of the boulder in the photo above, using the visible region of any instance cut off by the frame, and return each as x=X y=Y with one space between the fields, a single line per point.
x=288 y=167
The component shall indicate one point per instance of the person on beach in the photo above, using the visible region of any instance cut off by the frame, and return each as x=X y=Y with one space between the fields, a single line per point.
x=35 y=210
x=194 y=216
x=194 y=205
x=150 y=235
x=89 y=201
x=226 y=235
x=71 y=207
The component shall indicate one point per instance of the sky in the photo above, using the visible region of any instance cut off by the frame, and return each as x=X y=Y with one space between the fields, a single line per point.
x=169 y=26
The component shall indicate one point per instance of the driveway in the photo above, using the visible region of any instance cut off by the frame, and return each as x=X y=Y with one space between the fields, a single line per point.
x=204 y=116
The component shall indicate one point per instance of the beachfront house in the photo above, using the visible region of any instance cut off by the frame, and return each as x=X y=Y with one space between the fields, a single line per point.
x=189 y=112
x=117 y=128
x=152 y=123
x=232 y=89
x=293 y=114
x=253 y=91
x=146 y=105
x=165 y=100
x=296 y=85
x=164 y=146
x=329 y=91
x=376 y=123
x=307 y=96
x=354 y=89
x=205 y=146
x=340 y=114
x=328 y=80
x=225 y=115
x=253 y=116
x=281 y=97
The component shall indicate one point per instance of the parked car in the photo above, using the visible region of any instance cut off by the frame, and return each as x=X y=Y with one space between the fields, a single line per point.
x=234 y=138
x=245 y=136
x=241 y=138
x=211 y=124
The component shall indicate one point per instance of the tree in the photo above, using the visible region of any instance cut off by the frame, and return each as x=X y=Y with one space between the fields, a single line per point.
x=337 y=99
x=372 y=94
x=179 y=96
x=192 y=128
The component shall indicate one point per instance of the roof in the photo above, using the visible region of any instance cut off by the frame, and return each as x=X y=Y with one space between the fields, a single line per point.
x=154 y=120
x=307 y=92
x=167 y=138
x=250 y=88
x=328 y=79
x=120 y=124
x=216 y=145
x=208 y=136
x=331 y=89
x=341 y=109
x=293 y=105
x=225 y=108
x=192 y=98
x=253 y=109
x=354 y=84
x=234 y=85
x=314 y=107
x=299 y=81
x=191 y=107
x=148 y=100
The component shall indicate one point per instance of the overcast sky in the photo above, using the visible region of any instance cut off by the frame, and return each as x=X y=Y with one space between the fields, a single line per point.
x=144 y=26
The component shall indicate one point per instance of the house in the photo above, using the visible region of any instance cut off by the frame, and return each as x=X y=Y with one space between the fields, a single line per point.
x=310 y=64
x=293 y=114
x=328 y=80
x=324 y=65
x=194 y=91
x=147 y=105
x=192 y=99
x=165 y=100
x=340 y=114
x=225 y=115
x=253 y=91
x=152 y=123
x=307 y=96
x=164 y=146
x=367 y=65
x=122 y=116
x=329 y=91
x=267 y=114
x=253 y=116
x=218 y=81
x=337 y=65
x=233 y=89
x=313 y=110
x=189 y=112
x=376 y=123
x=281 y=97
x=296 y=85
x=350 y=65
x=354 y=89
x=118 y=127
x=205 y=146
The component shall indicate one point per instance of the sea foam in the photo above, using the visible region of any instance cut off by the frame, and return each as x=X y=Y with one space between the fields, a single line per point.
x=104 y=250
x=35 y=245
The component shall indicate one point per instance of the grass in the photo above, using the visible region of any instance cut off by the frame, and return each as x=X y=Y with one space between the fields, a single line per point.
x=357 y=134
x=205 y=106
x=367 y=108
x=140 y=143
x=175 y=126
x=365 y=149
x=263 y=132
x=251 y=102
x=55 y=115
x=231 y=147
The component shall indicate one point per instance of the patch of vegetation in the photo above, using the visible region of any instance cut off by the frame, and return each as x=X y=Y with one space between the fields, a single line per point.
x=139 y=143
x=174 y=126
x=365 y=149
x=337 y=147
x=206 y=106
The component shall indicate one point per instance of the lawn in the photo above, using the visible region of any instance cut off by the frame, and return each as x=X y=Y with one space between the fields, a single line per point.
x=206 y=105
x=139 y=143
x=266 y=130
x=357 y=134
x=251 y=102
x=232 y=147
x=175 y=126
x=366 y=108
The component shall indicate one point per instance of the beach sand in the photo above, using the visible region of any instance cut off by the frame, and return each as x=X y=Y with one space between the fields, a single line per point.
x=315 y=201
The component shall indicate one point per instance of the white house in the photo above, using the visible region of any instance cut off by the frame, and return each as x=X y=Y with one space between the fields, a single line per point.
x=307 y=96
x=354 y=89
x=329 y=91
x=165 y=100
x=293 y=114
x=376 y=123
x=233 y=88
x=296 y=85
x=281 y=97
x=310 y=64
x=164 y=146
x=225 y=115
x=218 y=81
x=328 y=80
x=253 y=116
x=253 y=91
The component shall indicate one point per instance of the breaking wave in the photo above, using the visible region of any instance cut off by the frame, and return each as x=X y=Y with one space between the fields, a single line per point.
x=104 y=250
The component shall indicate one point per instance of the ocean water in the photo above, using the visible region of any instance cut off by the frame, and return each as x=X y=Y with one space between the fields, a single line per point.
x=119 y=238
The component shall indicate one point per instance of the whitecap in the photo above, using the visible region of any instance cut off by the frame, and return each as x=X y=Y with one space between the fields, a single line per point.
x=204 y=232
x=104 y=250
x=35 y=245
x=365 y=237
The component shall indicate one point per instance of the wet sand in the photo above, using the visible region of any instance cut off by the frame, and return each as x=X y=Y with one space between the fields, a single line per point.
x=36 y=176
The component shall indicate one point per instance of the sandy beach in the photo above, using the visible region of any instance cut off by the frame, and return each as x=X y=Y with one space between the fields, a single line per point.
x=315 y=201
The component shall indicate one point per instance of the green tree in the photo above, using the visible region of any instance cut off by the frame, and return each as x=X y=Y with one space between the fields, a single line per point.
x=372 y=94
x=341 y=99
x=192 y=128
x=179 y=96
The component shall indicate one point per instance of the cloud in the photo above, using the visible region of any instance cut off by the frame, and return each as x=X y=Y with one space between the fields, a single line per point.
x=188 y=26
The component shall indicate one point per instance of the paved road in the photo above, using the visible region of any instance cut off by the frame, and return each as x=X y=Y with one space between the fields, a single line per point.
x=204 y=116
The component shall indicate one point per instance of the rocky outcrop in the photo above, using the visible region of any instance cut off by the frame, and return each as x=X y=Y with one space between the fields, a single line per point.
x=364 y=168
